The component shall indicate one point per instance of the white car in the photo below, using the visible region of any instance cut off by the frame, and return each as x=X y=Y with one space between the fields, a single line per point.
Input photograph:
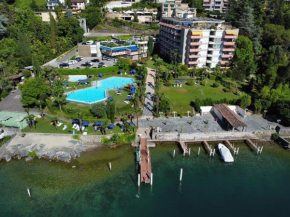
x=71 y=62
x=89 y=42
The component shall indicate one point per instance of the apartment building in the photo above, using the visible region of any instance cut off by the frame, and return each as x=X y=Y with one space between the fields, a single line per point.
x=78 y=4
x=198 y=42
x=144 y=17
x=52 y=3
x=215 y=5
x=174 y=8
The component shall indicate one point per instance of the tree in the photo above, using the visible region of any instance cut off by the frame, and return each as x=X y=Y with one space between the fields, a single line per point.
x=275 y=35
x=68 y=3
x=244 y=60
x=53 y=32
x=33 y=90
x=150 y=46
x=135 y=19
x=111 y=110
x=30 y=119
x=245 y=101
x=93 y=16
x=68 y=13
x=137 y=113
x=80 y=116
x=104 y=127
x=33 y=5
x=3 y=23
x=98 y=110
x=198 y=4
x=58 y=92
x=49 y=73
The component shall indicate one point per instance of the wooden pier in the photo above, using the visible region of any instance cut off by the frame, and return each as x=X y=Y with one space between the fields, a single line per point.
x=184 y=147
x=145 y=161
x=207 y=146
x=249 y=142
x=230 y=145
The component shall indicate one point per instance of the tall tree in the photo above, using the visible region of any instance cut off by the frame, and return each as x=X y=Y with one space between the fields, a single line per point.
x=3 y=23
x=150 y=46
x=93 y=15
x=53 y=32
x=244 y=59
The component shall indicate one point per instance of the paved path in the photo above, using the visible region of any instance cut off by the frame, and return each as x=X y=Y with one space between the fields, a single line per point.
x=148 y=105
x=97 y=34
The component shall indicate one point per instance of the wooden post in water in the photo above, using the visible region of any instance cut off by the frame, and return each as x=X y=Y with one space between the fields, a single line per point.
x=189 y=151
x=110 y=165
x=213 y=152
x=151 y=179
x=198 y=151
x=28 y=191
x=181 y=171
x=174 y=153
x=139 y=178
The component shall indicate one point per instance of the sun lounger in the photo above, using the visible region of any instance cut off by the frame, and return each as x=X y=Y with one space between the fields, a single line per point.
x=74 y=126
x=127 y=101
x=59 y=124
x=118 y=93
x=85 y=133
x=83 y=128
x=64 y=127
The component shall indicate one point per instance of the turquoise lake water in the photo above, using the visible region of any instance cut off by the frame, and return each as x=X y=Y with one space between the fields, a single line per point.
x=96 y=94
x=251 y=186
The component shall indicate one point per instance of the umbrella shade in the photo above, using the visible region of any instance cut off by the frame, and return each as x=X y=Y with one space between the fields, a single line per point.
x=85 y=123
x=120 y=70
x=110 y=98
x=91 y=74
x=182 y=81
x=133 y=71
x=130 y=97
x=132 y=124
x=75 y=121
x=98 y=123
x=52 y=94
x=100 y=74
x=177 y=81
x=111 y=126
x=66 y=82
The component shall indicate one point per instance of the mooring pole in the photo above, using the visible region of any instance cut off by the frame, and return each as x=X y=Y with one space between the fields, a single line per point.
x=139 y=177
x=174 y=153
x=189 y=151
x=181 y=171
x=213 y=152
x=110 y=165
x=238 y=150
x=151 y=180
x=198 y=151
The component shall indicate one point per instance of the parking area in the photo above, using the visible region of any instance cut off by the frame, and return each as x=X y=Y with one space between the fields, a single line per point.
x=78 y=65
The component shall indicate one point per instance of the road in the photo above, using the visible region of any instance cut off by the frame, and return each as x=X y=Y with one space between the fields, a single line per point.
x=149 y=104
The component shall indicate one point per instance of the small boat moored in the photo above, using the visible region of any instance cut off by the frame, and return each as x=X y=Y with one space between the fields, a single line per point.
x=225 y=153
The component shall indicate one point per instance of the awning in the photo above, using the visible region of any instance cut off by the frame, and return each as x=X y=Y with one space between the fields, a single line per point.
x=232 y=32
x=196 y=33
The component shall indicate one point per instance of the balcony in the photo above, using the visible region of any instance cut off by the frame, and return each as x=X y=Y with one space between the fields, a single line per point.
x=225 y=62
x=193 y=56
x=194 y=50
x=195 y=43
x=196 y=37
x=229 y=43
x=229 y=49
x=227 y=56
x=193 y=62
x=230 y=36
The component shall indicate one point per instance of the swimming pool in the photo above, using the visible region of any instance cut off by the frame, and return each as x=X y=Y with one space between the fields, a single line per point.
x=75 y=78
x=97 y=94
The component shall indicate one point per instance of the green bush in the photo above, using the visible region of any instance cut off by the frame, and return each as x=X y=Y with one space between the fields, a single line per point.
x=107 y=70
x=227 y=90
x=26 y=73
x=190 y=82
x=212 y=77
x=123 y=138
x=168 y=84
x=76 y=137
x=215 y=85
x=203 y=82
x=275 y=136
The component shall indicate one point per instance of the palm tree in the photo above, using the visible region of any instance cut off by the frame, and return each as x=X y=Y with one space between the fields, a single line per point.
x=80 y=116
x=27 y=110
x=30 y=119
x=137 y=112
x=104 y=127
x=49 y=73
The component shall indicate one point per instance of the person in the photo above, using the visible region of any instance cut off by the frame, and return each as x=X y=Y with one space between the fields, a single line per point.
x=146 y=133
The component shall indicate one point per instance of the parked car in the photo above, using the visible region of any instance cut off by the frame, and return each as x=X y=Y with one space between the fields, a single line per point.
x=86 y=64
x=71 y=62
x=101 y=65
x=79 y=59
x=63 y=65
x=95 y=60
x=89 y=42
x=105 y=58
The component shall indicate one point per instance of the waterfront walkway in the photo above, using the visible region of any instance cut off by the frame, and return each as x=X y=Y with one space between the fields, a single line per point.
x=149 y=104
x=145 y=160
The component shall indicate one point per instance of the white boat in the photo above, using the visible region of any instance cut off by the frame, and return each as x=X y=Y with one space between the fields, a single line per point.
x=225 y=153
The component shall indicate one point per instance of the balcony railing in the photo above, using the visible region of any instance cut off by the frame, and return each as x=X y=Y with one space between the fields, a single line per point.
x=228 y=49
x=194 y=50
x=196 y=36
x=229 y=43
x=225 y=62
x=193 y=62
x=195 y=43
x=231 y=36
x=227 y=56
x=194 y=56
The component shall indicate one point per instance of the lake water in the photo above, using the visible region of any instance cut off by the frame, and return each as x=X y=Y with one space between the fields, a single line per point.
x=251 y=186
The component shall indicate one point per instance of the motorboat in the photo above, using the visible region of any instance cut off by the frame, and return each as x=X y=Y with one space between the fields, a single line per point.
x=225 y=153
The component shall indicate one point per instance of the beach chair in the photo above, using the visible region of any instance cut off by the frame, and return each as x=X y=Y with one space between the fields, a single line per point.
x=74 y=126
x=83 y=128
x=64 y=127
x=59 y=124
x=127 y=101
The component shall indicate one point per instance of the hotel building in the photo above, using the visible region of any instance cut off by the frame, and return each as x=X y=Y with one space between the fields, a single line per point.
x=174 y=8
x=215 y=5
x=197 y=42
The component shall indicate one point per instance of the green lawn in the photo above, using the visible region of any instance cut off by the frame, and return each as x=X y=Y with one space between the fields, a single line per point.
x=4 y=140
x=150 y=64
x=45 y=126
x=181 y=97
x=121 y=107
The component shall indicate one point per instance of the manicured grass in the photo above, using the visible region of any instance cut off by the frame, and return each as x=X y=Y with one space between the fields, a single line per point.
x=4 y=140
x=181 y=97
x=150 y=64
x=45 y=126
x=121 y=107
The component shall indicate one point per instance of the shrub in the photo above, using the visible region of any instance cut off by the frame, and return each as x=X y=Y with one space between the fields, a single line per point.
x=76 y=137
x=107 y=70
x=98 y=110
x=203 y=82
x=215 y=85
x=212 y=77
x=227 y=90
x=275 y=136
x=124 y=138
x=168 y=84
x=26 y=73
x=190 y=82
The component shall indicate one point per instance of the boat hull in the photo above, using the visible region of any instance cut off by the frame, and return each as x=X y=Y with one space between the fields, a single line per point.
x=225 y=153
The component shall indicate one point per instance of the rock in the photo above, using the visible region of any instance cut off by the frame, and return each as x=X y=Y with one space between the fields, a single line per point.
x=28 y=158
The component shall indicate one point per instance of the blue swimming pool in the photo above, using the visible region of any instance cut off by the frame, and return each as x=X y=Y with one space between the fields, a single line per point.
x=96 y=94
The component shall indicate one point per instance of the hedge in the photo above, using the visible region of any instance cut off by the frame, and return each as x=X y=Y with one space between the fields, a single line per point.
x=87 y=71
